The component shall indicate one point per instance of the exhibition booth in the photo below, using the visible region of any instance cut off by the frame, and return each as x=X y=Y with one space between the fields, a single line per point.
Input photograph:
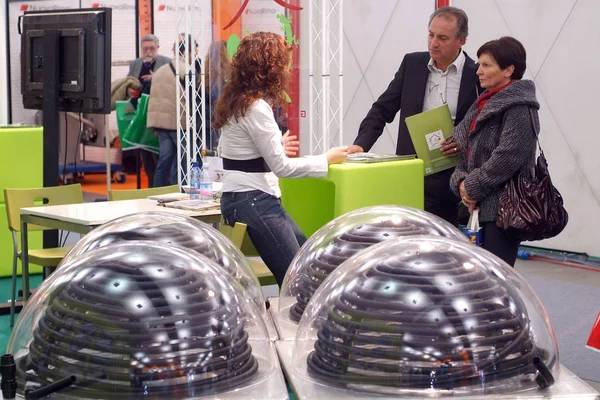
x=156 y=295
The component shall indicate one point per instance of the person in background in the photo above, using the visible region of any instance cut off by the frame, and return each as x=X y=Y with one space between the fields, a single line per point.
x=218 y=71
x=143 y=68
x=427 y=80
x=497 y=138
x=162 y=111
x=254 y=155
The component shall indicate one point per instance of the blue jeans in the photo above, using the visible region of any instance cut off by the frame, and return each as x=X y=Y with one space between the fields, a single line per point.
x=273 y=232
x=166 y=167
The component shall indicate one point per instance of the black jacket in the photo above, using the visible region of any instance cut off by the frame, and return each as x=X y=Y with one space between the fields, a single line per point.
x=406 y=94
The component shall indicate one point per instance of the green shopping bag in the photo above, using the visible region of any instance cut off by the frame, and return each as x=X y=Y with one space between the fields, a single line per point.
x=124 y=119
x=137 y=133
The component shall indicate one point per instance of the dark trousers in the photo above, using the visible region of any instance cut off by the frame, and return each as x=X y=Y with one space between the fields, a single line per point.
x=273 y=232
x=149 y=160
x=439 y=199
x=166 y=168
x=501 y=243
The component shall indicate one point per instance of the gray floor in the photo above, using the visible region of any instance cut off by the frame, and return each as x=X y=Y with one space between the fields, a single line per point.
x=564 y=274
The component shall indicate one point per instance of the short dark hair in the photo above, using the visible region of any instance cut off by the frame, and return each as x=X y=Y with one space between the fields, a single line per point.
x=506 y=51
x=462 y=21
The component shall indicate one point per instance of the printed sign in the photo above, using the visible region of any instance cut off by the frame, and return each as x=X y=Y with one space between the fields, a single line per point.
x=262 y=15
x=166 y=25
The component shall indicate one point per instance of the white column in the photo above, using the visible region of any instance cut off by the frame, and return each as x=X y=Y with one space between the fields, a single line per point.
x=341 y=72
x=311 y=79
x=3 y=64
x=190 y=21
x=325 y=59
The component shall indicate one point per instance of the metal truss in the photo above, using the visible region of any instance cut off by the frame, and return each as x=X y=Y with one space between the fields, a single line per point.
x=326 y=39
x=191 y=129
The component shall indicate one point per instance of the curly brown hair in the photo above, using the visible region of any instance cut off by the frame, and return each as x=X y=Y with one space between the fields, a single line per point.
x=259 y=70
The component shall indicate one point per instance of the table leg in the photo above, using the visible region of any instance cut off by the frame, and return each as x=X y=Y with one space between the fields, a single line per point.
x=24 y=261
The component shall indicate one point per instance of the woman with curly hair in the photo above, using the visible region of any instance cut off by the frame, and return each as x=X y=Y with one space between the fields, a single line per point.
x=254 y=155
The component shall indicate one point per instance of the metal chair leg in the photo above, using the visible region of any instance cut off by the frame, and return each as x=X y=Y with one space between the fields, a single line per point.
x=13 y=298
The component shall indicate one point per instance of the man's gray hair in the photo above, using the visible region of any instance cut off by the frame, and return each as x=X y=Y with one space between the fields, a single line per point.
x=462 y=21
x=150 y=38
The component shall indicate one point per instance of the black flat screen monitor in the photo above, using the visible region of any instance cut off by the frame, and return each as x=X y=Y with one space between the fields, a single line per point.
x=84 y=57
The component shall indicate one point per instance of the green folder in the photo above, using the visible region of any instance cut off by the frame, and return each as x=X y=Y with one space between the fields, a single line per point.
x=427 y=129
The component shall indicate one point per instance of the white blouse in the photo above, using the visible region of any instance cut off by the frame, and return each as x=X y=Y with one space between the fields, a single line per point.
x=257 y=135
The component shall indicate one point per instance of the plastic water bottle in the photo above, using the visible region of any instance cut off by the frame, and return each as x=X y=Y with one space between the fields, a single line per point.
x=195 y=181
x=206 y=192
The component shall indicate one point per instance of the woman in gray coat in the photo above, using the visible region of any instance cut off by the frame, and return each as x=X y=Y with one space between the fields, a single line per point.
x=497 y=139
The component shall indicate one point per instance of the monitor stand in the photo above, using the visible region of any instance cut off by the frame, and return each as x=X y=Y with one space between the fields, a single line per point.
x=51 y=120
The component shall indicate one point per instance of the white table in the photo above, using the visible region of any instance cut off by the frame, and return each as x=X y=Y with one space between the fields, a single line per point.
x=84 y=217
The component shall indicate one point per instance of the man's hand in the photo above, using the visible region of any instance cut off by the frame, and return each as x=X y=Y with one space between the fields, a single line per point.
x=146 y=78
x=291 y=144
x=466 y=200
x=355 y=149
x=450 y=148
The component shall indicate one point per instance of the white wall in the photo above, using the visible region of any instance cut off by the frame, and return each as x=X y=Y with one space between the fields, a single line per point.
x=562 y=38
x=377 y=34
x=3 y=66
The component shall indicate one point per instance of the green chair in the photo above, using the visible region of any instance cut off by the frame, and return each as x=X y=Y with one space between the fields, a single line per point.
x=141 y=193
x=242 y=241
x=20 y=198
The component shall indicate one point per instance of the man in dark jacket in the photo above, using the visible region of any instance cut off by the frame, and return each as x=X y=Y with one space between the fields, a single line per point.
x=426 y=80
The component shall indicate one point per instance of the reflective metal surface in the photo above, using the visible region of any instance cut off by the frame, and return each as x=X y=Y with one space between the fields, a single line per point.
x=345 y=236
x=567 y=387
x=184 y=231
x=141 y=319
x=429 y=314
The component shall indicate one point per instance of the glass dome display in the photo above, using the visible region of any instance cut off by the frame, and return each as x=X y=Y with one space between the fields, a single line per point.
x=141 y=320
x=184 y=231
x=345 y=236
x=428 y=317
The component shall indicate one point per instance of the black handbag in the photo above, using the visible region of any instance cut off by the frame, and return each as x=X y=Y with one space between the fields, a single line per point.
x=532 y=207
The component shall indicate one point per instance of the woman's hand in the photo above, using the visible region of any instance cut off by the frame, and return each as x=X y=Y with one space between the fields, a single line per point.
x=291 y=144
x=466 y=200
x=336 y=155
